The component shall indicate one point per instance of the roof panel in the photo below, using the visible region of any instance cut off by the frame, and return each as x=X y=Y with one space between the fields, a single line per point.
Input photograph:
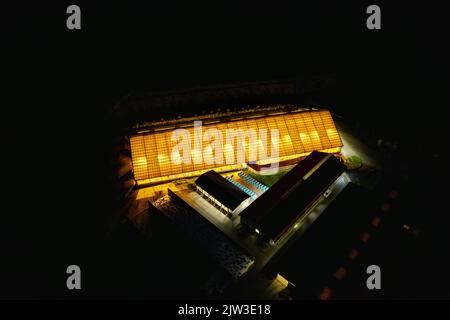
x=221 y=189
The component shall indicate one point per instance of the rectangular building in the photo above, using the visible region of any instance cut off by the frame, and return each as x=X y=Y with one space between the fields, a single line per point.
x=156 y=158
x=225 y=194
x=278 y=209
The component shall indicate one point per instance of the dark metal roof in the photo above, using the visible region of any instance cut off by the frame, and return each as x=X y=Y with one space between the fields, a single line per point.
x=279 y=207
x=269 y=199
x=221 y=189
x=331 y=235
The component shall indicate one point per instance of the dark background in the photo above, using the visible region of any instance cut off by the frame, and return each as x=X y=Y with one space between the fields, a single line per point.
x=59 y=84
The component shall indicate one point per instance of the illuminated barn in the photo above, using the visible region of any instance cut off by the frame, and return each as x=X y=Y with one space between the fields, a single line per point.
x=156 y=157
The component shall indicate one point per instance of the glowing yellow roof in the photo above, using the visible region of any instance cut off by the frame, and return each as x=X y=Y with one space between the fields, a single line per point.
x=156 y=156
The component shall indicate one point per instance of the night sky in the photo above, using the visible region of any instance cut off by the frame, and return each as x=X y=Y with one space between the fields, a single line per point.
x=59 y=85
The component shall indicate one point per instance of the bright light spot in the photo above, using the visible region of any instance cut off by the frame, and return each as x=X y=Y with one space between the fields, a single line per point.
x=314 y=135
x=208 y=152
x=228 y=148
x=195 y=154
x=287 y=139
x=332 y=133
x=176 y=158
x=162 y=158
x=257 y=231
x=305 y=138
x=141 y=161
